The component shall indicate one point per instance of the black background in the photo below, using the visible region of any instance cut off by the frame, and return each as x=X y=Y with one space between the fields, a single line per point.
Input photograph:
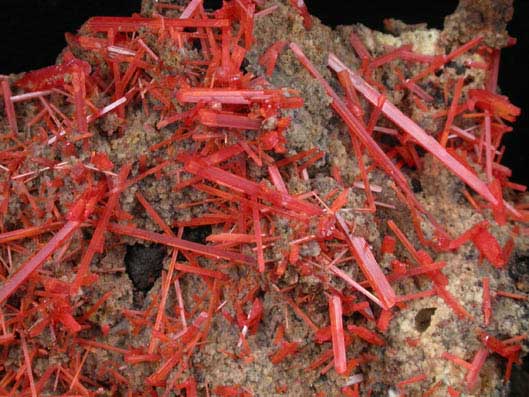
x=32 y=34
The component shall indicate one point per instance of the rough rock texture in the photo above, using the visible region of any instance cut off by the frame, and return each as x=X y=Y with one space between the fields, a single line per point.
x=479 y=17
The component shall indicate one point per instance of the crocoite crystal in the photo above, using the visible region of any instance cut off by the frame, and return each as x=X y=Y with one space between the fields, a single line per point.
x=287 y=200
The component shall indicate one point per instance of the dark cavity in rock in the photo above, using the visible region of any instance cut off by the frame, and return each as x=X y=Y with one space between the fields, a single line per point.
x=144 y=264
x=423 y=319
x=197 y=234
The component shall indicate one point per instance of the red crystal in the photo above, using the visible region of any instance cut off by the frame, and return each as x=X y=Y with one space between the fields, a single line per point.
x=338 y=343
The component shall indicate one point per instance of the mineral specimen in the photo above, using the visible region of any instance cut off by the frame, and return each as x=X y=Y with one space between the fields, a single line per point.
x=330 y=206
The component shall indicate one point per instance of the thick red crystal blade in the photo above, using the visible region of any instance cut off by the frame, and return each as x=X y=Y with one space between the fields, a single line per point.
x=191 y=8
x=486 y=301
x=355 y=285
x=358 y=131
x=409 y=126
x=442 y=60
x=494 y=103
x=52 y=76
x=449 y=299
x=213 y=118
x=231 y=96
x=269 y=58
x=487 y=244
x=38 y=260
x=28 y=232
x=106 y=109
x=367 y=262
x=286 y=349
x=452 y=111
x=200 y=271
x=225 y=96
x=97 y=242
x=488 y=152
x=175 y=242
x=409 y=381
x=79 y=91
x=9 y=107
x=251 y=188
x=366 y=334
x=132 y=24
x=258 y=236
x=477 y=363
x=338 y=341
x=359 y=47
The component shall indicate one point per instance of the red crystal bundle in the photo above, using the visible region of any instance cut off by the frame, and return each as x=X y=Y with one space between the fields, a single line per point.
x=220 y=133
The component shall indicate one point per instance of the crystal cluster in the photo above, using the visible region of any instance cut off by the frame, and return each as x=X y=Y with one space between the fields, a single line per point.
x=217 y=143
